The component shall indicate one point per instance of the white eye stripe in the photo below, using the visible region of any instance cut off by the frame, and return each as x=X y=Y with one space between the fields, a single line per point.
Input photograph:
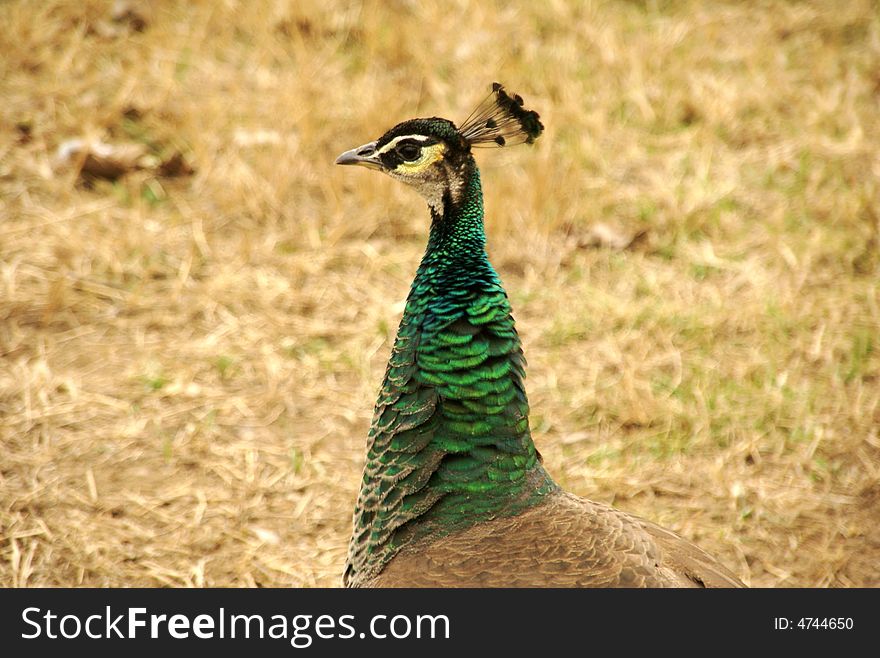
x=390 y=145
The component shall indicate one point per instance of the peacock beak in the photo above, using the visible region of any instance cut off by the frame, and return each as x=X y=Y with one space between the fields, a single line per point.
x=366 y=156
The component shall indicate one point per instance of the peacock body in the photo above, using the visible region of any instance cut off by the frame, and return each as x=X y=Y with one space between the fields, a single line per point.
x=453 y=491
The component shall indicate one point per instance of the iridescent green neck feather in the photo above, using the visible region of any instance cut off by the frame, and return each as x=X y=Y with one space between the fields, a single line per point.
x=449 y=446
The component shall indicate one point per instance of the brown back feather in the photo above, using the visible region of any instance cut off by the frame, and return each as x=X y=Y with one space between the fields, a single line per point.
x=565 y=542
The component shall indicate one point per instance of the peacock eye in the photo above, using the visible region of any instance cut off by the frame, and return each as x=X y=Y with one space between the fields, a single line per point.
x=409 y=152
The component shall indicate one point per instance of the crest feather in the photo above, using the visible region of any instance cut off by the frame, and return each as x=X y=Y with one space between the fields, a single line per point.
x=501 y=120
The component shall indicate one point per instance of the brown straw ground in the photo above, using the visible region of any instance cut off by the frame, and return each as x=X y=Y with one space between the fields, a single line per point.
x=188 y=360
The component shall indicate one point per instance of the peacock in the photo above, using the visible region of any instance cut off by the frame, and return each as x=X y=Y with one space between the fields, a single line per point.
x=454 y=493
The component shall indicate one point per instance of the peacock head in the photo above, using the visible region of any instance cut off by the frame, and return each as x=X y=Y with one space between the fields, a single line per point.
x=433 y=155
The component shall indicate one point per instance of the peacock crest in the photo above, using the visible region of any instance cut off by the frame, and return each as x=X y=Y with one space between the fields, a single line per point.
x=501 y=120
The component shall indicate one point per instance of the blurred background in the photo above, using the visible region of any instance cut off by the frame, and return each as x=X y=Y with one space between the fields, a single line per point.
x=196 y=306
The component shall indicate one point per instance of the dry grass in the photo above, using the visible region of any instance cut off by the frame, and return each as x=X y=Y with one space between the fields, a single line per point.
x=188 y=365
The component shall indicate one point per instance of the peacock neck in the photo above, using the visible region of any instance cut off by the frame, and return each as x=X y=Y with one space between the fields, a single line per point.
x=458 y=332
x=457 y=241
